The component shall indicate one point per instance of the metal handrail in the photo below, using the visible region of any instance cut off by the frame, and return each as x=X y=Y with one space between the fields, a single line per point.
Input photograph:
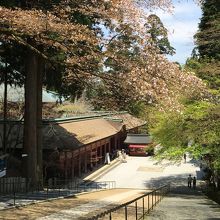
x=125 y=205
x=20 y=188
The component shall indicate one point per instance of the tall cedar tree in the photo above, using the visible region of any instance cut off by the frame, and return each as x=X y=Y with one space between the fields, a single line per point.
x=208 y=36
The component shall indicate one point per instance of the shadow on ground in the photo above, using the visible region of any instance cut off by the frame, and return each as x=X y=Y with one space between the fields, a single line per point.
x=178 y=183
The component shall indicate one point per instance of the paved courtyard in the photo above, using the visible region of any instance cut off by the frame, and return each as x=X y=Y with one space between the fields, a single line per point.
x=146 y=172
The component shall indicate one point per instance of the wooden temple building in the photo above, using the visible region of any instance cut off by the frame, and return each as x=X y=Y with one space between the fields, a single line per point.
x=74 y=146
x=138 y=144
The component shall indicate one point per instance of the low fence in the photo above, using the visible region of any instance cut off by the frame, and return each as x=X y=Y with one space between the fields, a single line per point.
x=19 y=191
x=135 y=209
x=11 y=184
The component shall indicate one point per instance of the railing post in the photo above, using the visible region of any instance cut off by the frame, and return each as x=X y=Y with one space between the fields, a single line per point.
x=136 y=214
x=148 y=203
x=152 y=205
x=143 y=207
x=14 y=191
x=110 y=216
x=59 y=188
x=159 y=195
x=47 y=190
x=126 y=213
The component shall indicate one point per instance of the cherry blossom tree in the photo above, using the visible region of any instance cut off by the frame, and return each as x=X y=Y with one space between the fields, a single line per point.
x=41 y=27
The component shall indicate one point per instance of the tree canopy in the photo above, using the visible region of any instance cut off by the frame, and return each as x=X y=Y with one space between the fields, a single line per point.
x=196 y=128
x=70 y=37
x=76 y=44
x=207 y=38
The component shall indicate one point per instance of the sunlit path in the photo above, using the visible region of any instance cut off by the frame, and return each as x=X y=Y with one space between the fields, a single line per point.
x=146 y=172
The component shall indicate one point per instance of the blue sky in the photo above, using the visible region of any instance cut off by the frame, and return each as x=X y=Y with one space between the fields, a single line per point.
x=182 y=24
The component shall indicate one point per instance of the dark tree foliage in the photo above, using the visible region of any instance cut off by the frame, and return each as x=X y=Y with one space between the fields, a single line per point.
x=208 y=36
x=55 y=72
x=124 y=46
x=158 y=35
x=205 y=61
x=12 y=63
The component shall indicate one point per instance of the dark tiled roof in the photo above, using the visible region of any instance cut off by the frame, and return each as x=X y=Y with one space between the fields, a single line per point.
x=138 y=139
x=74 y=133
x=89 y=131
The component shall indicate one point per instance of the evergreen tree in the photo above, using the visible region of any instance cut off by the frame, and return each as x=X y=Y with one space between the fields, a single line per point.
x=205 y=61
x=208 y=36
x=158 y=35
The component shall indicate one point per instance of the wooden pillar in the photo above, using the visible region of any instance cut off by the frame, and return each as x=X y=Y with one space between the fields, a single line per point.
x=85 y=161
x=103 y=153
x=96 y=150
x=116 y=142
x=65 y=165
x=99 y=152
x=79 y=164
x=105 y=149
x=90 y=157
x=108 y=147
x=72 y=165
x=101 y=156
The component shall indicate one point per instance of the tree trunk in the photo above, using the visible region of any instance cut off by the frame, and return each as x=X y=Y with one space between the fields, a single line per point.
x=33 y=120
x=39 y=118
x=5 y=107
x=30 y=119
